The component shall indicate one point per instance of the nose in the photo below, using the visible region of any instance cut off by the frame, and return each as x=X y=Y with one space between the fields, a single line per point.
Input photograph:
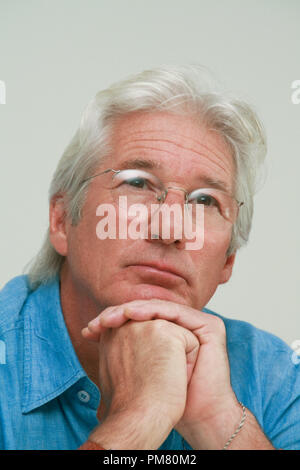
x=167 y=222
x=176 y=188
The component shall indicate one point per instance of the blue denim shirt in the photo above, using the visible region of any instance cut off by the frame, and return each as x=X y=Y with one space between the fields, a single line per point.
x=48 y=402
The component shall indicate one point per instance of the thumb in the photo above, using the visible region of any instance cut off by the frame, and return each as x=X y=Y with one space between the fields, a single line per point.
x=192 y=347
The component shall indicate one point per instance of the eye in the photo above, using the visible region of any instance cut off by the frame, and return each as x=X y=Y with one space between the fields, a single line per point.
x=137 y=182
x=199 y=197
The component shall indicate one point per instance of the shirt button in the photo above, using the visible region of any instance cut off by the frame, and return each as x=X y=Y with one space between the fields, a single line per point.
x=83 y=396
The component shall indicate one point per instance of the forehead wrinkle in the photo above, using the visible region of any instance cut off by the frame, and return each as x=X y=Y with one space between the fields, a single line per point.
x=145 y=149
x=142 y=133
x=128 y=136
x=217 y=163
x=164 y=136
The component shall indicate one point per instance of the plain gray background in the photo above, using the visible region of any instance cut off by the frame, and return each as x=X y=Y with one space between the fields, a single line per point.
x=56 y=54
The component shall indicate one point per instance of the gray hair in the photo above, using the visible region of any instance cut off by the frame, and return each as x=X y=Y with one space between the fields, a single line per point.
x=189 y=90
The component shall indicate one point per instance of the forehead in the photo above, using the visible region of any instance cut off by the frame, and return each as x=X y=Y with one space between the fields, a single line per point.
x=176 y=145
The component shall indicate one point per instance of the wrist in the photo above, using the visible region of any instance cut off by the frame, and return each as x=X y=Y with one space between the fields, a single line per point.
x=131 y=430
x=212 y=431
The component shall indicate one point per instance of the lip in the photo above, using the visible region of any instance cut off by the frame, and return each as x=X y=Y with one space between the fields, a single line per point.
x=161 y=267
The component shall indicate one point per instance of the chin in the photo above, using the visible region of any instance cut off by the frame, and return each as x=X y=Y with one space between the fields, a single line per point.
x=149 y=291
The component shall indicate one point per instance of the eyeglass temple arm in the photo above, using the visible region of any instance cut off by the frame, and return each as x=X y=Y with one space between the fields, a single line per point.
x=98 y=174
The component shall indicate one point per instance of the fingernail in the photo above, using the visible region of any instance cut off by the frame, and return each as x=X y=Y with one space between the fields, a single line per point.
x=126 y=311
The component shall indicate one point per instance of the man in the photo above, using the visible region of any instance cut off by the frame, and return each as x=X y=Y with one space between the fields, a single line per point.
x=108 y=342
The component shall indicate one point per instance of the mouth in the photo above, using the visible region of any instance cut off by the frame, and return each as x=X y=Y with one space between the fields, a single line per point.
x=159 y=269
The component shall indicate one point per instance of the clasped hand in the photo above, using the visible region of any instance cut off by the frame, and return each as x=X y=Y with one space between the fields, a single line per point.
x=167 y=359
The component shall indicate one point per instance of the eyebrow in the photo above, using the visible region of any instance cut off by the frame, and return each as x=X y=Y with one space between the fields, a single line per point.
x=214 y=183
x=139 y=163
x=150 y=164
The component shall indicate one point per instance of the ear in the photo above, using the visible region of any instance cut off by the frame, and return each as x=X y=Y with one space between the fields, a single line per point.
x=227 y=269
x=57 y=225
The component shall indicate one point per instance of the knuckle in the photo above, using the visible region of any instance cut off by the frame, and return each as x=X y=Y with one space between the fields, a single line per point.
x=160 y=323
x=219 y=325
x=158 y=328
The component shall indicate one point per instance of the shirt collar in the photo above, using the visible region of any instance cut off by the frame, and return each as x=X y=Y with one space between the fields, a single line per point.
x=50 y=362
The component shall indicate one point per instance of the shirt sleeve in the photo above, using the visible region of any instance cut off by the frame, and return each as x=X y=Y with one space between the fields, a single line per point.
x=282 y=401
x=90 y=445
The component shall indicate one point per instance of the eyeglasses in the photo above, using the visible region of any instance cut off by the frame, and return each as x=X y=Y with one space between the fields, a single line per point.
x=142 y=187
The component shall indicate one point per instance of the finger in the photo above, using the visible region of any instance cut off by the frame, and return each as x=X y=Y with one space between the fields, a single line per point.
x=116 y=316
x=93 y=331
x=113 y=317
x=202 y=324
x=139 y=310
x=181 y=315
x=89 y=335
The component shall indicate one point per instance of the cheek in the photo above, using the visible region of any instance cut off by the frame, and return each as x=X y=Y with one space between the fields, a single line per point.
x=212 y=257
x=217 y=243
x=89 y=255
x=208 y=267
x=84 y=248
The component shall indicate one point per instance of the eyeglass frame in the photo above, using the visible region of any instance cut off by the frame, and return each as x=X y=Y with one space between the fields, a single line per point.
x=166 y=188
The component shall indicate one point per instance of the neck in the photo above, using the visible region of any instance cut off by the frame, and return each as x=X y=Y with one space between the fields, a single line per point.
x=78 y=309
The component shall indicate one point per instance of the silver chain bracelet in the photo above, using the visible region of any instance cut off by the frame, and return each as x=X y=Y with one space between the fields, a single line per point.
x=238 y=428
x=235 y=432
